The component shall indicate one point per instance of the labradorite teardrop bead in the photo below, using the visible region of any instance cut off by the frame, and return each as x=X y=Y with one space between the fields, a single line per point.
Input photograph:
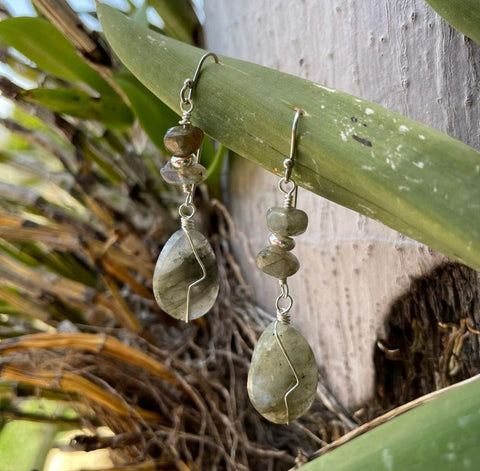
x=177 y=268
x=270 y=375
x=277 y=262
x=287 y=221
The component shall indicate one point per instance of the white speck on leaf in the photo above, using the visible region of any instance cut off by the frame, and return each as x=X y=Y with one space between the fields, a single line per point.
x=387 y=459
x=367 y=167
x=419 y=164
x=391 y=163
x=344 y=137
x=367 y=210
x=403 y=128
x=451 y=457
x=403 y=188
x=414 y=180
x=421 y=136
x=323 y=87
x=369 y=111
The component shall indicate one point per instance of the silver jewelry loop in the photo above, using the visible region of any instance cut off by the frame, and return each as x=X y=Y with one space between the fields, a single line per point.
x=285 y=309
x=281 y=186
x=186 y=93
x=186 y=210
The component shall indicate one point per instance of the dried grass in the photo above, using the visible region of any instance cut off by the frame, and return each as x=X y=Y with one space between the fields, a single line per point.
x=179 y=398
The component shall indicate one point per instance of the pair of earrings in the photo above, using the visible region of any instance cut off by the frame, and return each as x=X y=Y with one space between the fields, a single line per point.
x=283 y=375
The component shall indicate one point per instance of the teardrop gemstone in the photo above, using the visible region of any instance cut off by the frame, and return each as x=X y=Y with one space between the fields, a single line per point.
x=270 y=376
x=177 y=268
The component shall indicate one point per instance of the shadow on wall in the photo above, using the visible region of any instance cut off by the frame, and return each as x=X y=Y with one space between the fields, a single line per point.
x=432 y=336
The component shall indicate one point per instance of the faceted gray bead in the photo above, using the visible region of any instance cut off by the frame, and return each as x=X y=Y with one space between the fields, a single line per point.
x=177 y=268
x=191 y=174
x=183 y=140
x=287 y=221
x=283 y=242
x=270 y=375
x=277 y=262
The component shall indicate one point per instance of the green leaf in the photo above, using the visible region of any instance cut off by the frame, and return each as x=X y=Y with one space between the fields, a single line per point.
x=139 y=14
x=154 y=116
x=24 y=445
x=214 y=172
x=356 y=153
x=180 y=20
x=440 y=435
x=109 y=110
x=463 y=15
x=42 y=43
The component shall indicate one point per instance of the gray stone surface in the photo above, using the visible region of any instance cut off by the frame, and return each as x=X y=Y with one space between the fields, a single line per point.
x=287 y=221
x=182 y=141
x=270 y=375
x=277 y=262
x=192 y=174
x=177 y=268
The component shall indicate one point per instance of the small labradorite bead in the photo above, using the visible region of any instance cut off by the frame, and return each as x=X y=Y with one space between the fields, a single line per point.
x=181 y=162
x=287 y=221
x=276 y=262
x=192 y=174
x=284 y=242
x=182 y=141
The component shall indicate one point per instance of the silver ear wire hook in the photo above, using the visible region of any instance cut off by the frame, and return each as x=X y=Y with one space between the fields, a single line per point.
x=288 y=163
x=293 y=141
x=186 y=93
x=199 y=66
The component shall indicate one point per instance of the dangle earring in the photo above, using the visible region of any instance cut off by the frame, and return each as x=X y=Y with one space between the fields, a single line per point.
x=185 y=281
x=282 y=379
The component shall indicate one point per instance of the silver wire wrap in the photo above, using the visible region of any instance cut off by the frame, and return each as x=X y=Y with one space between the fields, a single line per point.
x=289 y=188
x=187 y=209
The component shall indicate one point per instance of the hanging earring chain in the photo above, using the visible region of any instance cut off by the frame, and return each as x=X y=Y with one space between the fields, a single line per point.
x=287 y=392
x=289 y=201
x=196 y=283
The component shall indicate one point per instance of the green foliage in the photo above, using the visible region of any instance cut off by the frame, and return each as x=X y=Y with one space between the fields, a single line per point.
x=439 y=435
x=463 y=15
x=180 y=20
x=24 y=445
x=154 y=116
x=109 y=110
x=356 y=153
x=43 y=44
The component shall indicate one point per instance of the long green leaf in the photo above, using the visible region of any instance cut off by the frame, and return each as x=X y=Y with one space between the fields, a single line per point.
x=109 y=110
x=463 y=15
x=356 y=153
x=42 y=43
x=179 y=18
x=440 y=435
x=154 y=116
